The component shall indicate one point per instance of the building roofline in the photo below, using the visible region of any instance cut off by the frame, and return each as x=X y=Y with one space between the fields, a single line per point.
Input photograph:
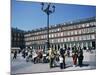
x=74 y=22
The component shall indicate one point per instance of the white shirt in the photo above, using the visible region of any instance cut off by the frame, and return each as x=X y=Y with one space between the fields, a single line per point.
x=61 y=59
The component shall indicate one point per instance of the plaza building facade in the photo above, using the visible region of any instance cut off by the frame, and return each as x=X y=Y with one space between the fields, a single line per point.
x=75 y=33
x=17 y=38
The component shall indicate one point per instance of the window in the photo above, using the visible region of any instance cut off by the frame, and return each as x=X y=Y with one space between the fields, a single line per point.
x=26 y=39
x=83 y=25
x=88 y=37
x=65 y=39
x=68 y=38
x=61 y=39
x=49 y=35
x=75 y=31
x=37 y=33
x=58 y=40
x=58 y=29
x=64 y=33
x=84 y=37
x=83 y=30
x=79 y=26
x=52 y=35
x=72 y=38
x=71 y=32
x=44 y=36
x=15 y=38
x=93 y=29
x=30 y=38
x=70 y=27
x=68 y=33
x=33 y=38
x=66 y=28
x=37 y=37
x=55 y=35
x=61 y=33
x=76 y=38
x=40 y=37
x=58 y=34
x=92 y=24
x=18 y=34
x=86 y=30
x=52 y=30
x=63 y=28
x=87 y=24
x=79 y=31
x=74 y=27
x=52 y=41
x=79 y=37
x=93 y=36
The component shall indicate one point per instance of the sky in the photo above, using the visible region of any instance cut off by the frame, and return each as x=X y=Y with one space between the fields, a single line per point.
x=29 y=16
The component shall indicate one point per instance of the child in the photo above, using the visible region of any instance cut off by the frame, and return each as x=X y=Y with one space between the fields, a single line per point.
x=61 y=62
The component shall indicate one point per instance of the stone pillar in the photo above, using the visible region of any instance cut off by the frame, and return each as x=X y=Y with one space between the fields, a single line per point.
x=57 y=46
x=78 y=44
x=81 y=44
x=70 y=45
x=86 y=44
x=91 y=44
x=74 y=44
x=60 y=45
x=66 y=45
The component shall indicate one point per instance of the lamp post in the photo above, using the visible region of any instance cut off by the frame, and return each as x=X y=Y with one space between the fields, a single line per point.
x=48 y=10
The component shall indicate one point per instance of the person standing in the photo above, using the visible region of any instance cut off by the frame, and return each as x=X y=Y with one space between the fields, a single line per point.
x=74 y=56
x=51 y=57
x=23 y=53
x=29 y=57
x=61 y=62
x=15 y=55
x=68 y=52
x=80 y=57
x=62 y=53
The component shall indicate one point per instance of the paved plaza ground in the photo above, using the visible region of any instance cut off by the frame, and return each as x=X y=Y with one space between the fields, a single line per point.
x=20 y=65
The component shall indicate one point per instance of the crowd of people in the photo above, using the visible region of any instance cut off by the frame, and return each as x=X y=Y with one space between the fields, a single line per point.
x=26 y=53
x=77 y=54
x=53 y=56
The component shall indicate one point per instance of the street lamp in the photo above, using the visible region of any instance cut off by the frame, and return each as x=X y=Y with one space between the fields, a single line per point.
x=48 y=10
